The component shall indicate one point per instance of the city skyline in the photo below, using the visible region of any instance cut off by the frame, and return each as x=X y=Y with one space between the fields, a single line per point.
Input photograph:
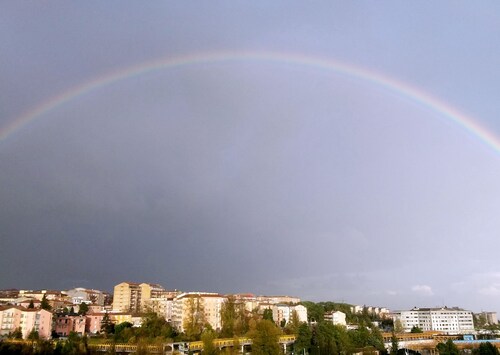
x=341 y=151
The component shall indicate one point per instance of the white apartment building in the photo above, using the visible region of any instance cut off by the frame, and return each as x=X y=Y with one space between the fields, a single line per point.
x=337 y=318
x=449 y=320
x=81 y=295
x=284 y=312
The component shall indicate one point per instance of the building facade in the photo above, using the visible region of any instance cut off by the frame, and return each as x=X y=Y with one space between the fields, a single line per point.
x=336 y=318
x=83 y=295
x=134 y=297
x=27 y=320
x=209 y=303
x=449 y=320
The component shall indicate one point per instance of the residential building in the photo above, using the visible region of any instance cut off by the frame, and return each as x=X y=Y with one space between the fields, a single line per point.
x=65 y=324
x=278 y=299
x=93 y=322
x=211 y=304
x=28 y=320
x=284 y=312
x=488 y=317
x=83 y=295
x=133 y=297
x=449 y=320
x=337 y=318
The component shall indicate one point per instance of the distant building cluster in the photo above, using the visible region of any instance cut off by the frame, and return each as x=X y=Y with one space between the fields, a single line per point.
x=24 y=309
x=83 y=311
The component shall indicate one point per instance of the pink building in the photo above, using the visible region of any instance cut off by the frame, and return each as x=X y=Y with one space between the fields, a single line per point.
x=28 y=320
x=68 y=324
x=93 y=322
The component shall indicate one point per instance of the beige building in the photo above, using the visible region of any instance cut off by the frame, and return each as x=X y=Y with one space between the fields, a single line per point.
x=211 y=304
x=278 y=299
x=134 y=297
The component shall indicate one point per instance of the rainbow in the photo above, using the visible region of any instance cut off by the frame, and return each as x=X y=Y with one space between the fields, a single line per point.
x=402 y=89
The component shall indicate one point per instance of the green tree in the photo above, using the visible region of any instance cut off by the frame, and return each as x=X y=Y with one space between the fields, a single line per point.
x=486 y=349
x=208 y=337
x=45 y=303
x=304 y=338
x=394 y=344
x=416 y=329
x=228 y=317
x=194 y=322
x=123 y=332
x=16 y=334
x=332 y=339
x=268 y=314
x=448 y=348
x=315 y=311
x=265 y=338
x=376 y=339
x=33 y=335
x=83 y=309
x=107 y=326
x=156 y=327
x=398 y=326
x=293 y=326
x=31 y=305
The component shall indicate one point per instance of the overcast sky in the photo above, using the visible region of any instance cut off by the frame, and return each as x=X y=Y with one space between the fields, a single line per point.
x=253 y=175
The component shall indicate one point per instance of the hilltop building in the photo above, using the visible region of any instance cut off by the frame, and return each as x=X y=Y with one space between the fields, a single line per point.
x=83 y=295
x=336 y=318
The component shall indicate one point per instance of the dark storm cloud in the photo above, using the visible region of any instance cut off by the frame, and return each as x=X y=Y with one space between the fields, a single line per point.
x=244 y=176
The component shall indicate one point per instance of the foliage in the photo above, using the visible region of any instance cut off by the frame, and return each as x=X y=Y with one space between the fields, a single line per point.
x=265 y=338
x=31 y=305
x=416 y=329
x=208 y=338
x=331 y=339
x=194 y=322
x=398 y=326
x=45 y=303
x=293 y=325
x=486 y=349
x=84 y=308
x=394 y=344
x=107 y=326
x=233 y=318
x=268 y=314
x=33 y=335
x=448 y=348
x=315 y=311
x=123 y=332
x=156 y=327
x=304 y=338
x=16 y=334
